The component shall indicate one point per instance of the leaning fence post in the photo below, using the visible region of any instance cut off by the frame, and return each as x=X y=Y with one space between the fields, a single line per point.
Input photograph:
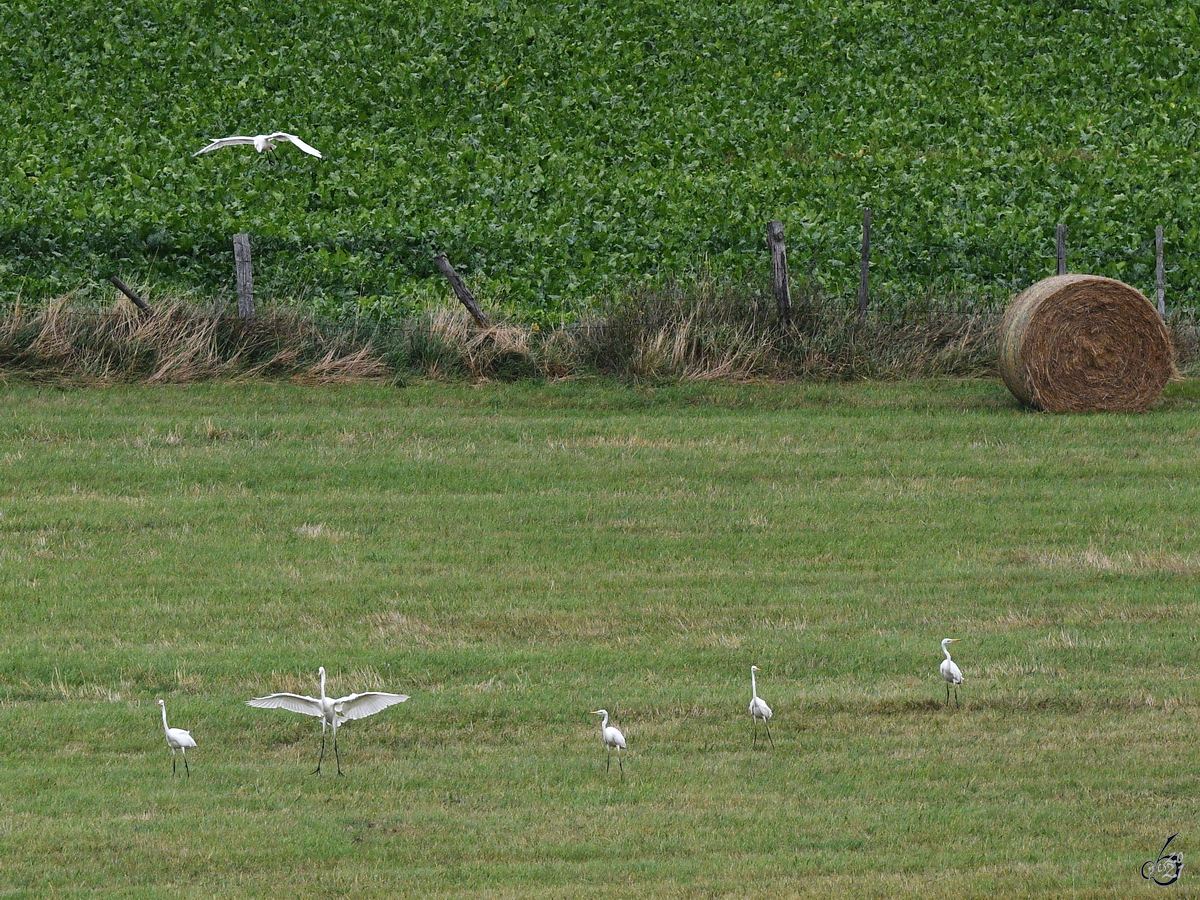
x=866 y=264
x=779 y=273
x=465 y=297
x=129 y=292
x=1159 y=275
x=1060 y=246
x=245 y=275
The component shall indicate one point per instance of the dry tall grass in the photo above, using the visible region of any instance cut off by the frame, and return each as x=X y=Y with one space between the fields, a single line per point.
x=177 y=343
x=694 y=329
x=698 y=329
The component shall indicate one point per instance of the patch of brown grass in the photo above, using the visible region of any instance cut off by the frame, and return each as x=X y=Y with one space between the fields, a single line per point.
x=1185 y=340
x=699 y=329
x=500 y=351
x=177 y=343
x=1123 y=563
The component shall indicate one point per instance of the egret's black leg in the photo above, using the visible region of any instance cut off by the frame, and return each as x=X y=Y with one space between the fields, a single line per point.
x=321 y=758
x=767 y=725
x=185 y=765
x=335 y=755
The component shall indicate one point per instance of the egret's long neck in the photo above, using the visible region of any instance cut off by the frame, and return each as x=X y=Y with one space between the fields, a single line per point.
x=946 y=650
x=753 y=684
x=604 y=721
x=164 y=712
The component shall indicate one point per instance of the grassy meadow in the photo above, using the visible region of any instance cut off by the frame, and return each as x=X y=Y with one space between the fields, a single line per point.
x=515 y=556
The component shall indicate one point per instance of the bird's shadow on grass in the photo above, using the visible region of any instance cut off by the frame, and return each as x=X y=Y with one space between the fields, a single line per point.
x=900 y=707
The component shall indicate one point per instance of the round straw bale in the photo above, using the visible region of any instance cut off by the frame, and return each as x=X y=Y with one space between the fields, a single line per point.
x=1073 y=343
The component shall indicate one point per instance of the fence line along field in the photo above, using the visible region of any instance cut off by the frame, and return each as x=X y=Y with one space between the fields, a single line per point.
x=556 y=152
x=515 y=557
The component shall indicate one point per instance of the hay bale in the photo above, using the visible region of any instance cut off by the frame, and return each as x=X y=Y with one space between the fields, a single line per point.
x=1074 y=343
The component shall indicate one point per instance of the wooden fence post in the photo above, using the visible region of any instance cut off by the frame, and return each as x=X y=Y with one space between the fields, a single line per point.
x=1060 y=245
x=465 y=297
x=866 y=264
x=1159 y=275
x=245 y=275
x=128 y=292
x=779 y=274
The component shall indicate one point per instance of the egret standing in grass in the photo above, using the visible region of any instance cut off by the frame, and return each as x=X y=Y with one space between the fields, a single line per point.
x=331 y=712
x=177 y=739
x=759 y=711
x=613 y=739
x=951 y=673
x=260 y=142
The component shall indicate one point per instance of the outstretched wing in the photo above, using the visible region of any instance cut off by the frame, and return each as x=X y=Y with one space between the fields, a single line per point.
x=359 y=706
x=297 y=703
x=307 y=148
x=232 y=141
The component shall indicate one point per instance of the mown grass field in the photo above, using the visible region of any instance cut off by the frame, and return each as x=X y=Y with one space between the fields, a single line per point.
x=516 y=556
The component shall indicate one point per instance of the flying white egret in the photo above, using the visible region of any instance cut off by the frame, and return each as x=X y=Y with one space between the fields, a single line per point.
x=261 y=142
x=950 y=671
x=759 y=710
x=331 y=712
x=177 y=739
x=612 y=737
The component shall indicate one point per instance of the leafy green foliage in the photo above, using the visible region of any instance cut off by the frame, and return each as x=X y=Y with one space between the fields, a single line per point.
x=554 y=150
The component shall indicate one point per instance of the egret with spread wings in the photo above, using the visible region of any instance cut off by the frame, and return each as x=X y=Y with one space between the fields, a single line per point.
x=332 y=712
x=260 y=143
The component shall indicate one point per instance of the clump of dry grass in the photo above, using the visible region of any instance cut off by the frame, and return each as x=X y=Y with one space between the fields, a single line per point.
x=698 y=329
x=695 y=329
x=177 y=343
x=503 y=351
x=1185 y=339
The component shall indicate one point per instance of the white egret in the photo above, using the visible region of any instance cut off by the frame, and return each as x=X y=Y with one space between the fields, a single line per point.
x=759 y=710
x=331 y=712
x=260 y=142
x=612 y=737
x=177 y=739
x=951 y=673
